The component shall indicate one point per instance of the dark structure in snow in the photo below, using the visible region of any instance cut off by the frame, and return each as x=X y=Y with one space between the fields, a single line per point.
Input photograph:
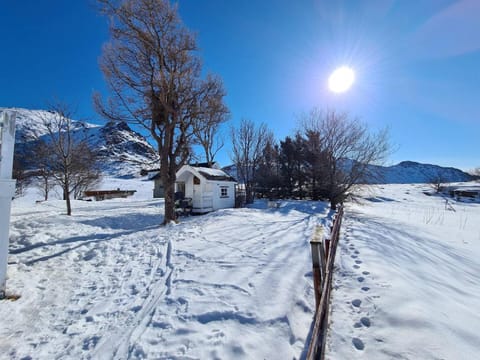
x=100 y=195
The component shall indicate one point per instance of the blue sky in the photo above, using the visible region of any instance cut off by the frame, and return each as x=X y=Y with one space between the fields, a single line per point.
x=417 y=64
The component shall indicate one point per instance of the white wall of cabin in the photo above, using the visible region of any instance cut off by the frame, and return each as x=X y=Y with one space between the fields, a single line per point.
x=210 y=197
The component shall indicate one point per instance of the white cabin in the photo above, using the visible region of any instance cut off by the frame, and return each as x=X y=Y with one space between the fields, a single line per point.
x=210 y=189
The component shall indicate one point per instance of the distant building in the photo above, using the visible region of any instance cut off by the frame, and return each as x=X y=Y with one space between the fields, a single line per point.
x=466 y=192
x=100 y=195
x=158 y=189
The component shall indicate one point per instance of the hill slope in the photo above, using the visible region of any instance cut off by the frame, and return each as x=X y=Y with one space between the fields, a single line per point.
x=122 y=151
x=410 y=172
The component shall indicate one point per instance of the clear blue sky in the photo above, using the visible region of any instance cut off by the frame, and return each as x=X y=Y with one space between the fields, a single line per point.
x=417 y=63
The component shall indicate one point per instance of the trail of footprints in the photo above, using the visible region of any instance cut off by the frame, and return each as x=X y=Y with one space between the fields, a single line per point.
x=364 y=321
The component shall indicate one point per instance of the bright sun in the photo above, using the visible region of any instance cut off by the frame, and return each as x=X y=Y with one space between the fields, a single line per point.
x=341 y=79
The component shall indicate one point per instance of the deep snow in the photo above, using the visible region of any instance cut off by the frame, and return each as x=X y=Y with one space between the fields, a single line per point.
x=110 y=282
x=407 y=282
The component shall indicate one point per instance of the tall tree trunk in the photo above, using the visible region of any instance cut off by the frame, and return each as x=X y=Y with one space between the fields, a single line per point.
x=66 y=194
x=168 y=176
x=169 y=203
x=249 y=193
x=46 y=190
x=333 y=205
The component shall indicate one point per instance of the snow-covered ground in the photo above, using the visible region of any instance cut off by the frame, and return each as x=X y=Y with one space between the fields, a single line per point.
x=407 y=283
x=110 y=282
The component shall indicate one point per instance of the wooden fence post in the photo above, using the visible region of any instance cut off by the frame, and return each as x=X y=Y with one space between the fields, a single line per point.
x=323 y=267
x=318 y=263
x=327 y=248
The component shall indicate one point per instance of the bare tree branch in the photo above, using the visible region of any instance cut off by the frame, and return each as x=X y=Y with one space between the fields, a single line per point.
x=154 y=76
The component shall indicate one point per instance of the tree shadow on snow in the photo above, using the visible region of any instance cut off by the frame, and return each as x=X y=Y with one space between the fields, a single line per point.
x=284 y=207
x=126 y=223
x=130 y=221
x=82 y=240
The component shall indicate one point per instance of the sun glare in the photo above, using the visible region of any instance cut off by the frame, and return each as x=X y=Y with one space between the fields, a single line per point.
x=341 y=79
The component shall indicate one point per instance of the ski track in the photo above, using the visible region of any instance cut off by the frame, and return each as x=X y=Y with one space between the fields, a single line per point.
x=138 y=290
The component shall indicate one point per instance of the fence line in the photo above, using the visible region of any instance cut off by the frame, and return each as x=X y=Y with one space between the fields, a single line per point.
x=323 y=260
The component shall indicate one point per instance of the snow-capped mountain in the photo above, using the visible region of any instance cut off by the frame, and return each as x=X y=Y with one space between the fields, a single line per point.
x=409 y=172
x=30 y=124
x=122 y=151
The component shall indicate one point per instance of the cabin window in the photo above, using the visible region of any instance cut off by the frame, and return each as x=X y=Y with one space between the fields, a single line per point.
x=224 y=191
x=196 y=181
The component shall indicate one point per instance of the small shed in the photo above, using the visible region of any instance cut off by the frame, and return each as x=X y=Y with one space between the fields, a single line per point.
x=100 y=195
x=158 y=189
x=472 y=193
x=210 y=189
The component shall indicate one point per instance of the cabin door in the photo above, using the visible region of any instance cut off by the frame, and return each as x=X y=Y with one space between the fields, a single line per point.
x=197 y=192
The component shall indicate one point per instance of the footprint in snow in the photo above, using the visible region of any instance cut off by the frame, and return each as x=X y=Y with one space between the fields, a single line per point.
x=353 y=256
x=365 y=288
x=365 y=321
x=361 y=279
x=358 y=344
x=356 y=266
x=357 y=302
x=357 y=252
x=358 y=261
x=366 y=272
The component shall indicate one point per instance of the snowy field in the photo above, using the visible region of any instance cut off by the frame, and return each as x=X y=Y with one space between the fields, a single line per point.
x=109 y=282
x=407 y=283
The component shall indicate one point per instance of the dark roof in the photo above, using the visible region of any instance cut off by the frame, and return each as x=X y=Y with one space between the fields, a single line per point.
x=108 y=192
x=204 y=164
x=225 y=177
x=205 y=174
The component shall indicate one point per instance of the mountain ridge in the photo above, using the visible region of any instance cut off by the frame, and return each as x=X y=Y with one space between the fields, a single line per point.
x=412 y=172
x=405 y=172
x=122 y=152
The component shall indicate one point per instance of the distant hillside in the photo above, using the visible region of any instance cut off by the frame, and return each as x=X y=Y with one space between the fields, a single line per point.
x=406 y=172
x=410 y=172
x=122 y=151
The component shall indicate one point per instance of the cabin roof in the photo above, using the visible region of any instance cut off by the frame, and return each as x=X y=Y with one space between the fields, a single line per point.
x=215 y=174
x=208 y=173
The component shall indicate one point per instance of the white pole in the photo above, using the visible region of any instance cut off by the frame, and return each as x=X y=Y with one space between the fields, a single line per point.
x=7 y=189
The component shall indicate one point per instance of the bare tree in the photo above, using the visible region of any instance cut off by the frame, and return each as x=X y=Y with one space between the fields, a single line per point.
x=437 y=181
x=20 y=174
x=207 y=131
x=43 y=159
x=346 y=150
x=248 y=143
x=154 y=75
x=68 y=156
